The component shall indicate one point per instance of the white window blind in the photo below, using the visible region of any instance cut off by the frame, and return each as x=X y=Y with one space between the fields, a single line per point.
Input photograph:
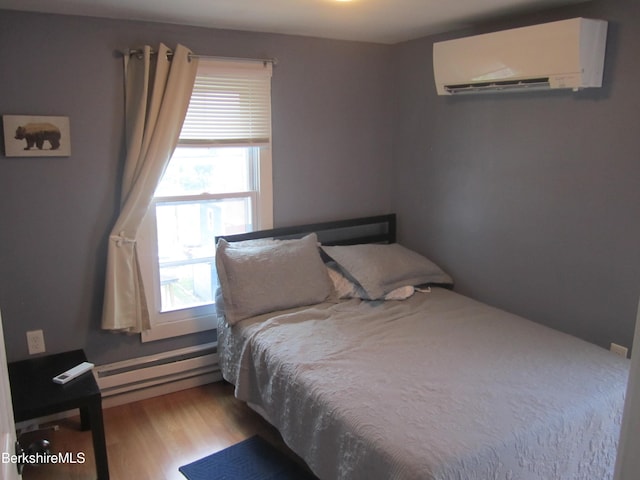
x=230 y=105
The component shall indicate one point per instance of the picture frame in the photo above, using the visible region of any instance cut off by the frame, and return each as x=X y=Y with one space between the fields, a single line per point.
x=36 y=136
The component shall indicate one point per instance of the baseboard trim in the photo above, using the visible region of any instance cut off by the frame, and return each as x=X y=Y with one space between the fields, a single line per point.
x=158 y=390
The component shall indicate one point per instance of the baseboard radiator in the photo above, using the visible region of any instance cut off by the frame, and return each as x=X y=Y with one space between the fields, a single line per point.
x=145 y=377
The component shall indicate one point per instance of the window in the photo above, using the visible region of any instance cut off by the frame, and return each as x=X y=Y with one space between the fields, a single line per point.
x=218 y=182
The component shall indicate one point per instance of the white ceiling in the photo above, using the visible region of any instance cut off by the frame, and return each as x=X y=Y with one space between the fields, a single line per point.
x=380 y=21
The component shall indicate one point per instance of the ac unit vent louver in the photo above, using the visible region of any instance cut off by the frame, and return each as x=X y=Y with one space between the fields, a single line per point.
x=489 y=87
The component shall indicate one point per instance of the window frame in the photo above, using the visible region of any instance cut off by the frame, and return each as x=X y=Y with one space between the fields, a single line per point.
x=198 y=319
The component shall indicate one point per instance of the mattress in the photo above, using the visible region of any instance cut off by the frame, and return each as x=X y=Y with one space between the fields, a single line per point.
x=438 y=386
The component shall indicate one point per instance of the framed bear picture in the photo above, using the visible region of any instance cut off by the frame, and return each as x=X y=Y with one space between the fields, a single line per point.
x=36 y=136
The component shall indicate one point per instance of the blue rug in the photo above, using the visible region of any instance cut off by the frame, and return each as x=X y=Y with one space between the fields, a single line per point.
x=251 y=459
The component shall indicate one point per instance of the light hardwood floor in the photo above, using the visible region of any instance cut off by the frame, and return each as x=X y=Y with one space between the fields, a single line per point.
x=151 y=438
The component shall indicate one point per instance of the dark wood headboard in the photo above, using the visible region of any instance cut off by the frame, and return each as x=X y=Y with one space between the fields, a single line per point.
x=375 y=229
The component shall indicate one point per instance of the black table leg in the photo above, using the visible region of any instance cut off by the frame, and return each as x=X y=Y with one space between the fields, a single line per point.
x=99 y=443
x=85 y=422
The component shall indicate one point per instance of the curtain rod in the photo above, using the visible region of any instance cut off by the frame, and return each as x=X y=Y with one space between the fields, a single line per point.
x=272 y=61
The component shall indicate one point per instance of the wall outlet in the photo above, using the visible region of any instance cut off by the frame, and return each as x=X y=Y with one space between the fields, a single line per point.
x=619 y=350
x=35 y=342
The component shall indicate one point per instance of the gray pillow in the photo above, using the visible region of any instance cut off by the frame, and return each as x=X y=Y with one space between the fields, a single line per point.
x=379 y=269
x=261 y=277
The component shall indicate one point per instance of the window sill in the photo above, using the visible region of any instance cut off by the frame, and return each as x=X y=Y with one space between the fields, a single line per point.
x=178 y=328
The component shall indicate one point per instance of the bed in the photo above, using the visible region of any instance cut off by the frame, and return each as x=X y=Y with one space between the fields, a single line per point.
x=371 y=366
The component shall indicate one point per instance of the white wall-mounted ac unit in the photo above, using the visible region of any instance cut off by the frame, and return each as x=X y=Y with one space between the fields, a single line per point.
x=563 y=54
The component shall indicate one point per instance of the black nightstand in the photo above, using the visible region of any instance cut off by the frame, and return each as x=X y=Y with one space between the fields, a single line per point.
x=35 y=395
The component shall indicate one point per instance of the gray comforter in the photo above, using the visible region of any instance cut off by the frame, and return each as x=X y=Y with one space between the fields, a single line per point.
x=438 y=386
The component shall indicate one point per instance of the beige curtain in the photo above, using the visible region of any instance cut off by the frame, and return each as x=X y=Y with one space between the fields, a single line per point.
x=158 y=88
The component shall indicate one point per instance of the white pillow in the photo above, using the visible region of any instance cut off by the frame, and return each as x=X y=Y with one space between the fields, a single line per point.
x=400 y=293
x=342 y=286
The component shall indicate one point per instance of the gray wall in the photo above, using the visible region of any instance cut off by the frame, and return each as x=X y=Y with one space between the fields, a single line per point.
x=531 y=201
x=331 y=158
